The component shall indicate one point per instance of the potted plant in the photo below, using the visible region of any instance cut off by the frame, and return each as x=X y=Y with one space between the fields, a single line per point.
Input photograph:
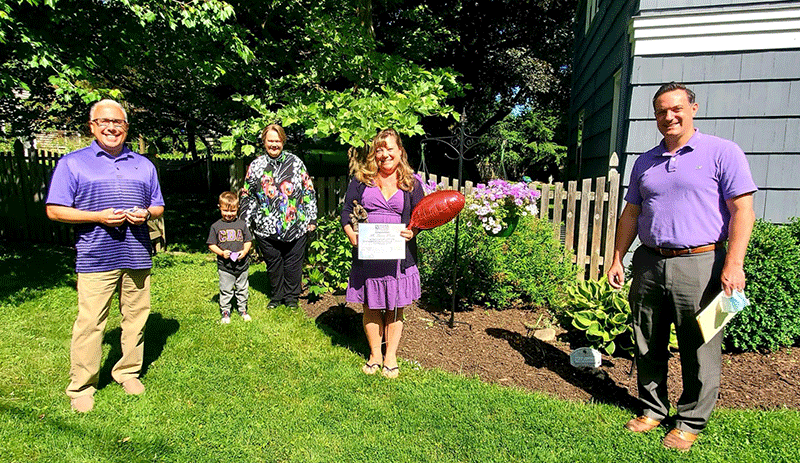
x=499 y=205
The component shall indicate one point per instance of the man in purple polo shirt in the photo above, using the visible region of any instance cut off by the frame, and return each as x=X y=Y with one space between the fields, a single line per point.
x=109 y=193
x=686 y=198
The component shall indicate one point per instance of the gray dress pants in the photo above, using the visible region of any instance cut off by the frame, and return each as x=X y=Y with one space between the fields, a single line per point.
x=669 y=290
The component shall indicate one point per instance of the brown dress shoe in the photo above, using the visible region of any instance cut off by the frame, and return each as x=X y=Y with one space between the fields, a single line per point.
x=641 y=424
x=679 y=440
x=133 y=386
x=83 y=403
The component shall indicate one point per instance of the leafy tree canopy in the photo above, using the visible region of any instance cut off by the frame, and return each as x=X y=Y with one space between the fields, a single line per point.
x=509 y=53
x=322 y=68
x=213 y=67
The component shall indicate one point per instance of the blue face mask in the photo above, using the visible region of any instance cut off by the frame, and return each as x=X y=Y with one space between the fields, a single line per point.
x=735 y=302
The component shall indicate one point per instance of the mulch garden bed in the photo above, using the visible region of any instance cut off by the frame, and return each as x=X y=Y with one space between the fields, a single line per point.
x=497 y=347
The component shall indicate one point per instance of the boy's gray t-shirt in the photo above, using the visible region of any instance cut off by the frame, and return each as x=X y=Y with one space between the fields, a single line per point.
x=230 y=236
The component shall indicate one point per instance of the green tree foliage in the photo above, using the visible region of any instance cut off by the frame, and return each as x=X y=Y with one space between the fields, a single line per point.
x=508 y=52
x=208 y=67
x=523 y=144
x=205 y=68
x=170 y=62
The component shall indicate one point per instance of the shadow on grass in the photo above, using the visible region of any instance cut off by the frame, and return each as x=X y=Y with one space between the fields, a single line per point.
x=259 y=281
x=539 y=354
x=343 y=325
x=187 y=219
x=156 y=332
x=26 y=269
x=105 y=445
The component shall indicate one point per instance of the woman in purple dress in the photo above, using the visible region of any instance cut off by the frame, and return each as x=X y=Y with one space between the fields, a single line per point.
x=387 y=189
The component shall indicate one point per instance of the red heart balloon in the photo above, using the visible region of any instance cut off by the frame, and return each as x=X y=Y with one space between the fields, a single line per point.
x=436 y=209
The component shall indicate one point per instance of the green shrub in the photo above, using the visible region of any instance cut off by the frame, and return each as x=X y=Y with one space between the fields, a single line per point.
x=528 y=267
x=772 y=267
x=328 y=263
x=794 y=228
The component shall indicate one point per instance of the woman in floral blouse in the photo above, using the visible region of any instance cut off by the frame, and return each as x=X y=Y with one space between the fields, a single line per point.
x=280 y=207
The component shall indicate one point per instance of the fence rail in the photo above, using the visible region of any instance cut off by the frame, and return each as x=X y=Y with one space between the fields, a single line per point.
x=584 y=219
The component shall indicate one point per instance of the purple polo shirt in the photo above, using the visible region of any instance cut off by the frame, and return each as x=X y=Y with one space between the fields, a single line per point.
x=90 y=179
x=682 y=196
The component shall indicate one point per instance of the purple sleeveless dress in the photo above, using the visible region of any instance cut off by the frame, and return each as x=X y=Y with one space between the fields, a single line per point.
x=382 y=284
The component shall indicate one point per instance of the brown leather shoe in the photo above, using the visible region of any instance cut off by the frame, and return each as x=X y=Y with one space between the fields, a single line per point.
x=642 y=424
x=679 y=440
x=83 y=403
x=133 y=386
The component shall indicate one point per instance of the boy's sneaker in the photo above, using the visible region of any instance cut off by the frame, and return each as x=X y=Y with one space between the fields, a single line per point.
x=226 y=318
x=246 y=317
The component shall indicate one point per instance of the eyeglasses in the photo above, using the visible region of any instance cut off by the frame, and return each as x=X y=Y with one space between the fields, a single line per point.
x=104 y=123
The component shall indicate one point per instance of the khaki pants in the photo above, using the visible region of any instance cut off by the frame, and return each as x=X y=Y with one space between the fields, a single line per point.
x=94 y=299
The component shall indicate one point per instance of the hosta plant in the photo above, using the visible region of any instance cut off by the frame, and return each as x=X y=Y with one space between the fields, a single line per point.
x=604 y=314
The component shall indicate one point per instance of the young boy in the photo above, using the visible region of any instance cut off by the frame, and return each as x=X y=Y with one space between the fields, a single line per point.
x=230 y=240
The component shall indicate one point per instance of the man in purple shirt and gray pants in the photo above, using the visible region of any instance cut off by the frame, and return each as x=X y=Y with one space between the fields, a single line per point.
x=109 y=193
x=686 y=198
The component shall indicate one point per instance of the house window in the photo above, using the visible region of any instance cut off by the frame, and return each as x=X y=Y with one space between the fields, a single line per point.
x=591 y=11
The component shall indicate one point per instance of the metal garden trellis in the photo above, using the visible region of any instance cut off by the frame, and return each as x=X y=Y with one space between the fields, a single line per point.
x=461 y=143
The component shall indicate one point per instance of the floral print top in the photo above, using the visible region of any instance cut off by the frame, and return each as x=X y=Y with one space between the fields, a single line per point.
x=278 y=199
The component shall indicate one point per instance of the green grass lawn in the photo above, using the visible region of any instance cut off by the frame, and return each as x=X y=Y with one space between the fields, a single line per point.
x=279 y=389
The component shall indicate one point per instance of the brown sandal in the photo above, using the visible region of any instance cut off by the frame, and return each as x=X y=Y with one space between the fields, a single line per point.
x=641 y=424
x=679 y=439
x=371 y=368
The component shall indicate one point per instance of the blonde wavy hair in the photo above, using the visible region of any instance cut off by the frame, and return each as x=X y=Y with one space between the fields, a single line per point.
x=367 y=172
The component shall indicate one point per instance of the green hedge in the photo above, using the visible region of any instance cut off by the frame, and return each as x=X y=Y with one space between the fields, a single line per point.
x=527 y=268
x=772 y=267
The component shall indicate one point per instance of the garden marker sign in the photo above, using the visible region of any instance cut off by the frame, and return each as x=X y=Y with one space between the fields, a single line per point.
x=585 y=357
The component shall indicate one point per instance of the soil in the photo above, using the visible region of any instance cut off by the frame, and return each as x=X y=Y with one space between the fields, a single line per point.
x=498 y=347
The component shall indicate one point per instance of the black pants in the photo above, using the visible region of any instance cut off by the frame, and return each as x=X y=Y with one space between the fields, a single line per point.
x=284 y=261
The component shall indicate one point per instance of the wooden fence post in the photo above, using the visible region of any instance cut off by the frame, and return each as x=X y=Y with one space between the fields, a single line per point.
x=597 y=227
x=558 y=202
x=613 y=210
x=583 y=229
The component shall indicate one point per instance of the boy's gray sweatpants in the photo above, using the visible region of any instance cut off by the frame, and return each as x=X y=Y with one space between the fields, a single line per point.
x=230 y=285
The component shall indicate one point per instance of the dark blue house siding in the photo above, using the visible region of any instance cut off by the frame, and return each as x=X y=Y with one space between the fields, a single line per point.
x=600 y=52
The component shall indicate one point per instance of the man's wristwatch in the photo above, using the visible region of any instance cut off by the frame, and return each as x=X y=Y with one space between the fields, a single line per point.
x=147 y=217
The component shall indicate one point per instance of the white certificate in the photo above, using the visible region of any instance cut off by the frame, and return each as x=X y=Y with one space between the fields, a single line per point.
x=381 y=241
